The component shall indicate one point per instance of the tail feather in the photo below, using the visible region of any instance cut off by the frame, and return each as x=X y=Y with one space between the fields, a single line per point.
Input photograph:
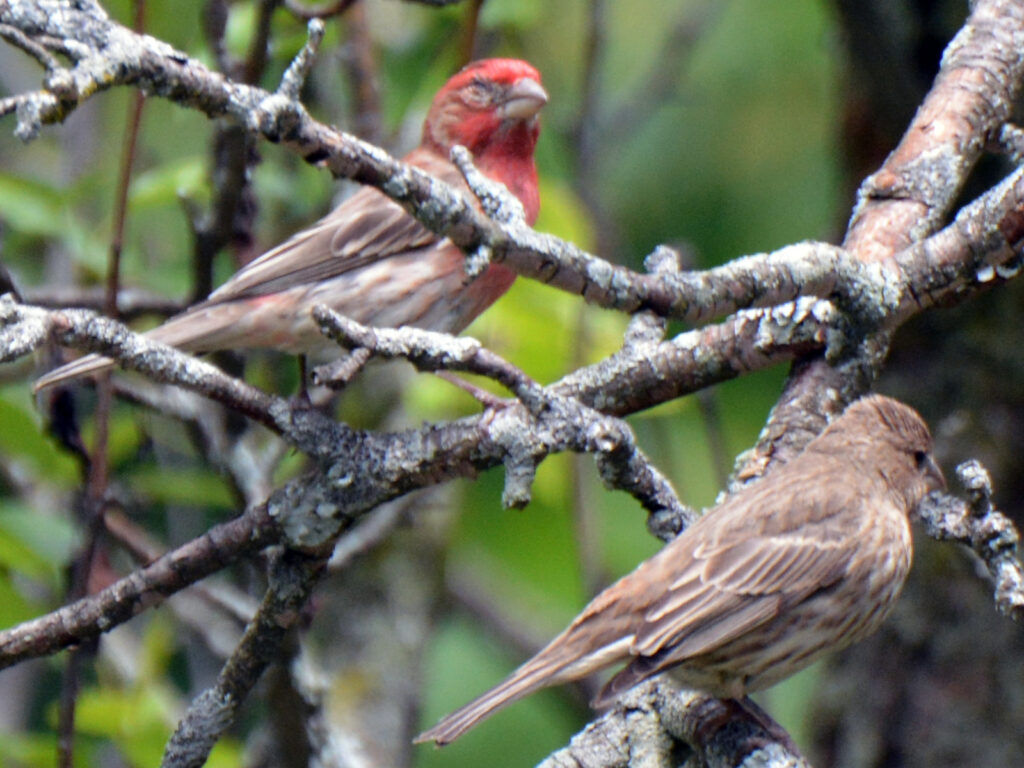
x=559 y=662
x=83 y=366
x=201 y=328
x=523 y=682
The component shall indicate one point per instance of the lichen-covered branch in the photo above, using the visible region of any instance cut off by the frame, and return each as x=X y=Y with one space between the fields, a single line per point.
x=358 y=470
x=292 y=578
x=903 y=203
x=106 y=54
x=970 y=100
x=978 y=525
x=621 y=463
x=831 y=308
x=645 y=725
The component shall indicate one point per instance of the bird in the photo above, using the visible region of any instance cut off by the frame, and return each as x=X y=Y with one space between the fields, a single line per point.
x=369 y=259
x=806 y=561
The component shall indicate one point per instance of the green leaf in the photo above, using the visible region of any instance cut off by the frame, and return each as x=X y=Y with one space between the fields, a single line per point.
x=32 y=206
x=192 y=487
x=164 y=184
x=14 y=609
x=241 y=22
x=139 y=718
x=138 y=721
x=27 y=750
x=33 y=543
x=22 y=438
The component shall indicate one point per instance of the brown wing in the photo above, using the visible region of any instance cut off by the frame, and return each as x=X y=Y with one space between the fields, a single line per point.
x=743 y=573
x=366 y=228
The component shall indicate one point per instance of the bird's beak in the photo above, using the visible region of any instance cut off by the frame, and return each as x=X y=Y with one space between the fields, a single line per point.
x=934 y=474
x=523 y=100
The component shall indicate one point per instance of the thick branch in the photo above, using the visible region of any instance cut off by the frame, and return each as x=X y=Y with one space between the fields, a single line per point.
x=972 y=97
x=645 y=723
x=107 y=54
x=908 y=198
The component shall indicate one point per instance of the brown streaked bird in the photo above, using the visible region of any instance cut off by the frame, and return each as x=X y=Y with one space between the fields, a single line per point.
x=369 y=259
x=802 y=563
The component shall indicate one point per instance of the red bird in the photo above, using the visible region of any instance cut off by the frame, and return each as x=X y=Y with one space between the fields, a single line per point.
x=368 y=259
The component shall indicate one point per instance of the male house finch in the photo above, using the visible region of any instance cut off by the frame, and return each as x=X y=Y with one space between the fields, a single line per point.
x=804 y=562
x=368 y=259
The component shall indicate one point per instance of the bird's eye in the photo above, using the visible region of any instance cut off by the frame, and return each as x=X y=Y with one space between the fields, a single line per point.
x=477 y=92
x=920 y=459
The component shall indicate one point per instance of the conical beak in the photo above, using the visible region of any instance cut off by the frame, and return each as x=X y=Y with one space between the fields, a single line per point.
x=523 y=100
x=934 y=474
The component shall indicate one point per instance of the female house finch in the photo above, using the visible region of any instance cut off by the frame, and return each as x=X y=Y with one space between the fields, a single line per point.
x=368 y=259
x=807 y=561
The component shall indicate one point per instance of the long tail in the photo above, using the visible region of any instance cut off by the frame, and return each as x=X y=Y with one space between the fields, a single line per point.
x=73 y=370
x=202 y=327
x=557 y=663
x=524 y=681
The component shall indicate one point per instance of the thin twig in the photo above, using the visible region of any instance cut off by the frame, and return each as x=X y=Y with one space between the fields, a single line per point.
x=91 y=616
x=990 y=534
x=468 y=37
x=19 y=39
x=214 y=710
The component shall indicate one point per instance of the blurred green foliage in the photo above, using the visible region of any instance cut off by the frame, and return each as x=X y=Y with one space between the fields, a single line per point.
x=734 y=155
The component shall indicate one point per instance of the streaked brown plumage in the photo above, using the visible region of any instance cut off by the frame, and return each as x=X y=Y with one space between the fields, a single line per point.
x=368 y=259
x=802 y=563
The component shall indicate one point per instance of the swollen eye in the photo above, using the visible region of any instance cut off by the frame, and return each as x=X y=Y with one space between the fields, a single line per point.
x=478 y=93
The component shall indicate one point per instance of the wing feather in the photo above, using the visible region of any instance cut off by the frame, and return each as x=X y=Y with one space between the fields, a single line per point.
x=754 y=612
x=366 y=228
x=739 y=579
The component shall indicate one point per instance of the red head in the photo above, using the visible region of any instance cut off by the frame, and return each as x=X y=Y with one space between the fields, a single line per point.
x=490 y=107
